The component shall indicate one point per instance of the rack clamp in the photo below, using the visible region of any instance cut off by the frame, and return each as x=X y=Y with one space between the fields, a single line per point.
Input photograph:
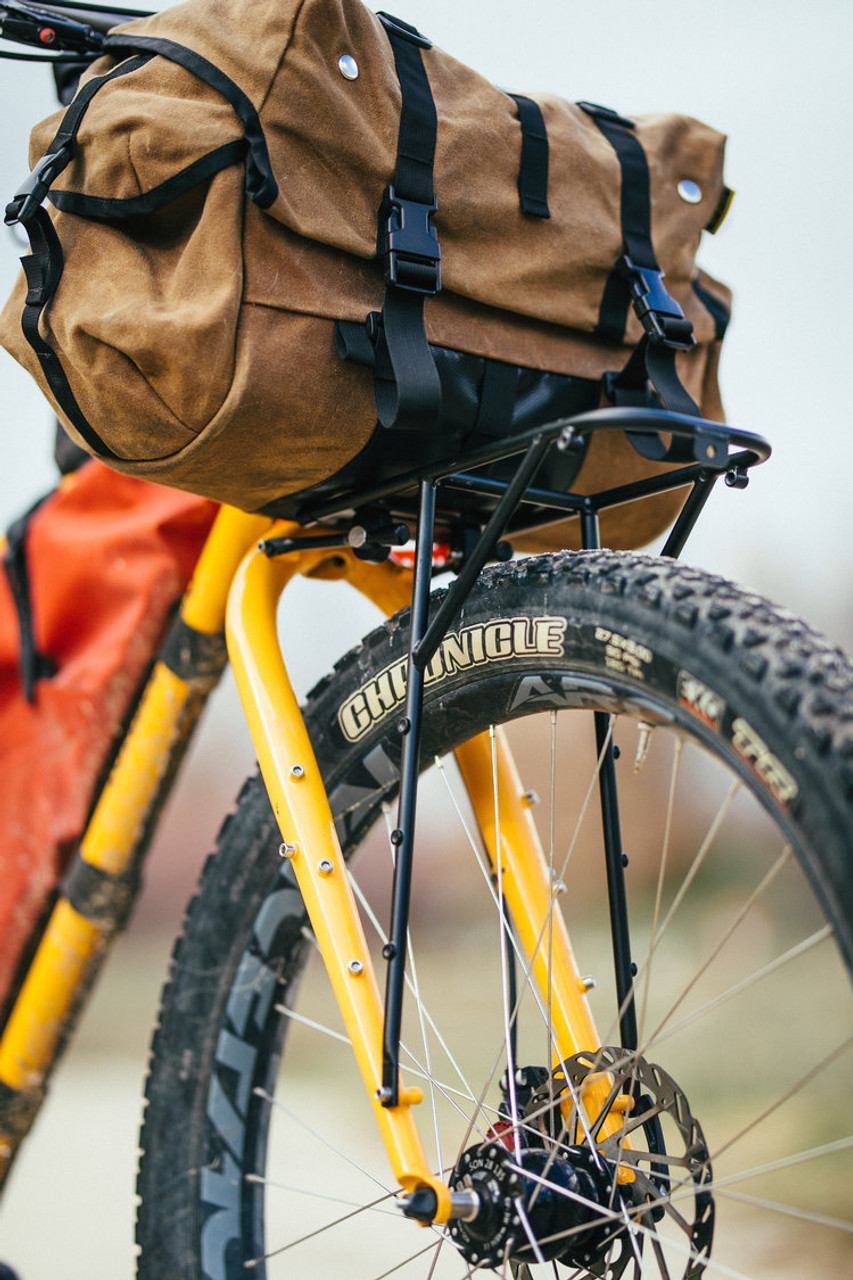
x=367 y=541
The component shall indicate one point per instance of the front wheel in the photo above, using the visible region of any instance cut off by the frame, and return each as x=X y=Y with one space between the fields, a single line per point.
x=724 y=1147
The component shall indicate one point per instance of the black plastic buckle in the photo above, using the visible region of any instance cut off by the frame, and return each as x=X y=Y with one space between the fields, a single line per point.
x=409 y=245
x=596 y=110
x=656 y=309
x=33 y=190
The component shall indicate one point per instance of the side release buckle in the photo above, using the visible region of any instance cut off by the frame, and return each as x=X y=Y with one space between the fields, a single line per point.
x=408 y=244
x=33 y=190
x=656 y=309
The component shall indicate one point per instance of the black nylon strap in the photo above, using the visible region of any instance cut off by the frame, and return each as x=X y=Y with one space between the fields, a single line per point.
x=498 y=394
x=635 y=214
x=43 y=269
x=719 y=311
x=261 y=186
x=654 y=362
x=61 y=150
x=43 y=266
x=135 y=206
x=637 y=279
x=411 y=397
x=533 y=170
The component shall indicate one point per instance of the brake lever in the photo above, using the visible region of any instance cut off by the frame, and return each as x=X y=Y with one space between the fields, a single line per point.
x=51 y=31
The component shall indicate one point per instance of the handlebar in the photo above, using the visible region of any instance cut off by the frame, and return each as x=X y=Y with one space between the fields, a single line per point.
x=66 y=28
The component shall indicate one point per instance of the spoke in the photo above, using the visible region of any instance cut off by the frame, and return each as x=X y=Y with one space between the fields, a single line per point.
x=792 y=954
x=800 y=1157
x=312 y=1235
x=503 y=932
x=737 y=920
x=667 y=832
x=411 y=1258
x=528 y=1230
x=274 y=1185
x=302 y=1124
x=364 y=902
x=664 y=1269
x=789 y=1211
x=552 y=807
x=675 y=906
x=309 y=1022
x=590 y=792
x=700 y=857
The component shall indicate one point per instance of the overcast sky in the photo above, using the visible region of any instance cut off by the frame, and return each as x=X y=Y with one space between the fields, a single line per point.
x=775 y=76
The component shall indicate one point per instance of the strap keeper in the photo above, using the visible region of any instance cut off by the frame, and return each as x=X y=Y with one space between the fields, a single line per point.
x=656 y=309
x=408 y=244
x=404 y=30
x=33 y=190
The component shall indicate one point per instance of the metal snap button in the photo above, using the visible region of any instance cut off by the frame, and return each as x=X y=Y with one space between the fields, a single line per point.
x=348 y=66
x=690 y=191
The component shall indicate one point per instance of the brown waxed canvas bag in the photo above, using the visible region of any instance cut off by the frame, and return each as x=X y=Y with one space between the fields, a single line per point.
x=279 y=225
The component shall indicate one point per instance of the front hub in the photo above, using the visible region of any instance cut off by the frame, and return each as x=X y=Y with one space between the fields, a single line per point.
x=533 y=1206
x=595 y=1191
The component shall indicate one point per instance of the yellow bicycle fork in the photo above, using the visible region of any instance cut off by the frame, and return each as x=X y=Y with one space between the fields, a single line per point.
x=78 y=933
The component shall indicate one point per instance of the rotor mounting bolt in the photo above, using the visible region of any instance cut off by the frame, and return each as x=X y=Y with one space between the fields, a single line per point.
x=297 y=771
x=326 y=867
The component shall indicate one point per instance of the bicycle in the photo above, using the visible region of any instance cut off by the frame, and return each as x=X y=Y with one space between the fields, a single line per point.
x=564 y=1148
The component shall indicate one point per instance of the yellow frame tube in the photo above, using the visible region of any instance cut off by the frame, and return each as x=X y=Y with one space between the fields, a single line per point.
x=71 y=943
x=301 y=807
x=530 y=894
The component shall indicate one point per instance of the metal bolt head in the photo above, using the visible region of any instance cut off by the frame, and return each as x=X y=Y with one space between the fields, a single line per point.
x=326 y=867
x=297 y=771
x=348 y=66
x=355 y=967
x=287 y=850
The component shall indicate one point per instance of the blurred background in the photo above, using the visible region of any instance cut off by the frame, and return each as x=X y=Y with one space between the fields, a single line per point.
x=775 y=77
